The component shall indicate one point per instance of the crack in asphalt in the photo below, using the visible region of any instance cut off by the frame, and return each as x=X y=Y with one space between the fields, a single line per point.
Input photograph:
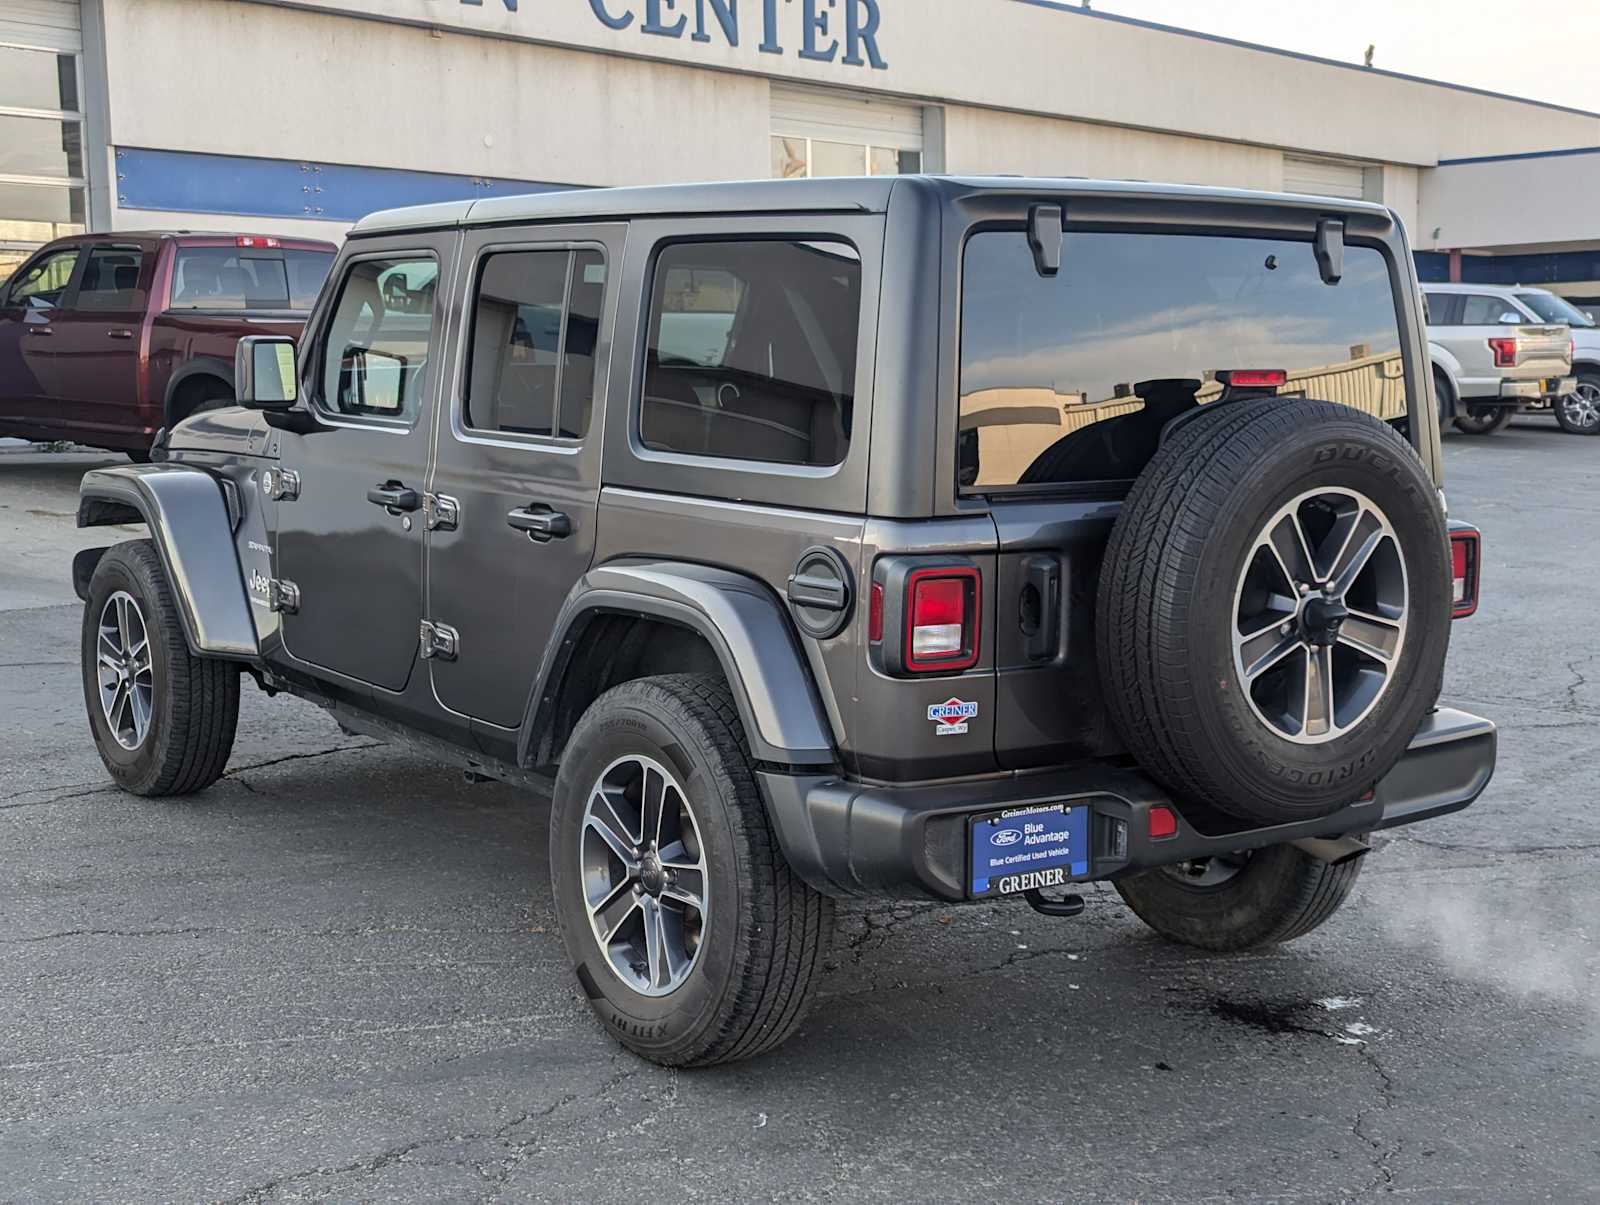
x=1383 y=1155
x=496 y=1171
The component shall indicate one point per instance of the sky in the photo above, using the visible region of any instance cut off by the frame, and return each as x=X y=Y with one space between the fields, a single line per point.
x=1543 y=51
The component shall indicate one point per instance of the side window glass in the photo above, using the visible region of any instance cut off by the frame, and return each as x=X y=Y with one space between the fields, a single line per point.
x=1484 y=311
x=375 y=356
x=535 y=324
x=41 y=286
x=111 y=280
x=752 y=351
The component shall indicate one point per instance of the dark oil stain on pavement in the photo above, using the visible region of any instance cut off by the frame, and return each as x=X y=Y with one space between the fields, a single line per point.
x=1268 y=1017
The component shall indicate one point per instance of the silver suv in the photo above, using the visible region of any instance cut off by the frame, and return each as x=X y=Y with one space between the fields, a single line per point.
x=1493 y=355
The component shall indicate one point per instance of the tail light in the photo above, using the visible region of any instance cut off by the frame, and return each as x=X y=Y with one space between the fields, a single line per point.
x=256 y=240
x=1505 y=352
x=1254 y=378
x=941 y=620
x=1466 y=547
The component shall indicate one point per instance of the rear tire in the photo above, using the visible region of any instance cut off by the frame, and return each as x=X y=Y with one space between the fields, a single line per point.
x=1484 y=420
x=737 y=973
x=1276 y=895
x=1579 y=411
x=170 y=729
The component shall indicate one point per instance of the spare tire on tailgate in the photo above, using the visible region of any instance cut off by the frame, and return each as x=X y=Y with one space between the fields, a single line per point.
x=1274 y=607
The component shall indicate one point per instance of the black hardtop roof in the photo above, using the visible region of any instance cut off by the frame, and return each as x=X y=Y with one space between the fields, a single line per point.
x=863 y=194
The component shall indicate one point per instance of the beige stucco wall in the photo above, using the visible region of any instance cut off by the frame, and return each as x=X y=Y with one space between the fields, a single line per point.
x=1511 y=203
x=986 y=140
x=252 y=79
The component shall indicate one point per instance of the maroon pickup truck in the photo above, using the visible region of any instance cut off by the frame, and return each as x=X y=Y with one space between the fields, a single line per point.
x=107 y=338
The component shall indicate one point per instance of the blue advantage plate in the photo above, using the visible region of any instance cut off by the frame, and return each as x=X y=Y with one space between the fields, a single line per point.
x=1022 y=848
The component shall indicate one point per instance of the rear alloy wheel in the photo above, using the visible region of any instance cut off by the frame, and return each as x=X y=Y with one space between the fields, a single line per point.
x=1579 y=411
x=690 y=935
x=1484 y=420
x=1240 y=901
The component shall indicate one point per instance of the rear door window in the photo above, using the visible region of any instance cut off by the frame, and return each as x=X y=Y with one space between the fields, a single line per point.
x=535 y=326
x=752 y=351
x=1483 y=310
x=1070 y=379
x=111 y=280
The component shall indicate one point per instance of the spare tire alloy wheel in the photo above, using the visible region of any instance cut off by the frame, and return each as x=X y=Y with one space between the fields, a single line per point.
x=1579 y=411
x=125 y=670
x=1320 y=615
x=644 y=875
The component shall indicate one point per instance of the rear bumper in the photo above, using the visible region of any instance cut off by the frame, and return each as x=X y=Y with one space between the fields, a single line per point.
x=848 y=839
x=1532 y=391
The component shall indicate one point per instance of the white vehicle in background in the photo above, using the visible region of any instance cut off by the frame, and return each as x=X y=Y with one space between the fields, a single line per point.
x=1578 y=412
x=1493 y=355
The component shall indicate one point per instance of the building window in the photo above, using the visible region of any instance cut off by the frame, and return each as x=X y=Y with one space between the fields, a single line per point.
x=817 y=133
x=800 y=158
x=42 y=174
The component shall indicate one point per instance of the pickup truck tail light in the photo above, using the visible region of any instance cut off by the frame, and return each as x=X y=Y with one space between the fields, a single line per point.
x=942 y=620
x=1505 y=352
x=1466 y=548
x=256 y=240
x=1254 y=378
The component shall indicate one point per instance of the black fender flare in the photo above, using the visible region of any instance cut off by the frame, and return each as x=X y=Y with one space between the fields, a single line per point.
x=739 y=617
x=191 y=524
x=200 y=366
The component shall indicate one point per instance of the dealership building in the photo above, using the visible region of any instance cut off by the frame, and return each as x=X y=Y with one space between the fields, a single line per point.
x=300 y=117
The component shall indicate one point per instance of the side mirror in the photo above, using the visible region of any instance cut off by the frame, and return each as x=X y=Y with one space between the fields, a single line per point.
x=264 y=372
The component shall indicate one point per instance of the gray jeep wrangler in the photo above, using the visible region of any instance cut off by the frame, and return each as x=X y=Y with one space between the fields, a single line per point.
x=943 y=538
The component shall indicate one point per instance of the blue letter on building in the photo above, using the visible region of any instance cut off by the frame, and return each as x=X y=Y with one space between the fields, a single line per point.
x=726 y=14
x=652 y=19
x=817 y=23
x=607 y=19
x=861 y=30
x=769 y=39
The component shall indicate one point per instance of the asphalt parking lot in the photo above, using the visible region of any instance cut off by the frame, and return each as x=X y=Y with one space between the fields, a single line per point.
x=336 y=976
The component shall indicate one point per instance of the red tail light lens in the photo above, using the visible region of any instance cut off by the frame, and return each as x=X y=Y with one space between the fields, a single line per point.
x=1254 y=378
x=255 y=240
x=1466 y=547
x=942 y=614
x=1163 y=823
x=1505 y=352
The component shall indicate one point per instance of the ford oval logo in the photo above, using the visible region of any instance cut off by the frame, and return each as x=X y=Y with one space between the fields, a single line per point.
x=1006 y=836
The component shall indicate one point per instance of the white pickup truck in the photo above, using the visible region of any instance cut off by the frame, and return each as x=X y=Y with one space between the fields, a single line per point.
x=1494 y=355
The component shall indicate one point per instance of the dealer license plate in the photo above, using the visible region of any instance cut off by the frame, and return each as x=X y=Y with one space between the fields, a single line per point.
x=1023 y=848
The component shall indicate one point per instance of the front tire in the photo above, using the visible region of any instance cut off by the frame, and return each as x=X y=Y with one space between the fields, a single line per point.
x=1484 y=420
x=691 y=936
x=163 y=719
x=1260 y=898
x=1579 y=411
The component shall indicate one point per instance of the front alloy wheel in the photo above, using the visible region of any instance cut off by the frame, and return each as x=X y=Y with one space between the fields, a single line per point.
x=125 y=671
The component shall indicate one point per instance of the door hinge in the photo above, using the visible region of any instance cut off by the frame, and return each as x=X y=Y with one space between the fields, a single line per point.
x=442 y=512
x=439 y=641
x=280 y=485
x=283 y=597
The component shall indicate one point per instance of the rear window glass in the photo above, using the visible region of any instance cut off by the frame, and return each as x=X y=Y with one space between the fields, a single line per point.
x=226 y=278
x=753 y=351
x=1070 y=379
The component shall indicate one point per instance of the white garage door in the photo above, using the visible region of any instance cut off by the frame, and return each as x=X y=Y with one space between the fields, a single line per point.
x=1324 y=177
x=819 y=133
x=46 y=24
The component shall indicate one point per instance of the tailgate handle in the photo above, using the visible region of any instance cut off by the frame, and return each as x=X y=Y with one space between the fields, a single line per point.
x=1039 y=609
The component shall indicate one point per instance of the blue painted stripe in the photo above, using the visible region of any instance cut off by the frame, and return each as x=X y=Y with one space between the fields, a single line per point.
x=1077 y=10
x=190 y=182
x=1562 y=154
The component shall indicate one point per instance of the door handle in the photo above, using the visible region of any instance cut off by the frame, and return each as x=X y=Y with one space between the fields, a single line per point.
x=394 y=497
x=541 y=523
x=40 y=330
x=120 y=333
